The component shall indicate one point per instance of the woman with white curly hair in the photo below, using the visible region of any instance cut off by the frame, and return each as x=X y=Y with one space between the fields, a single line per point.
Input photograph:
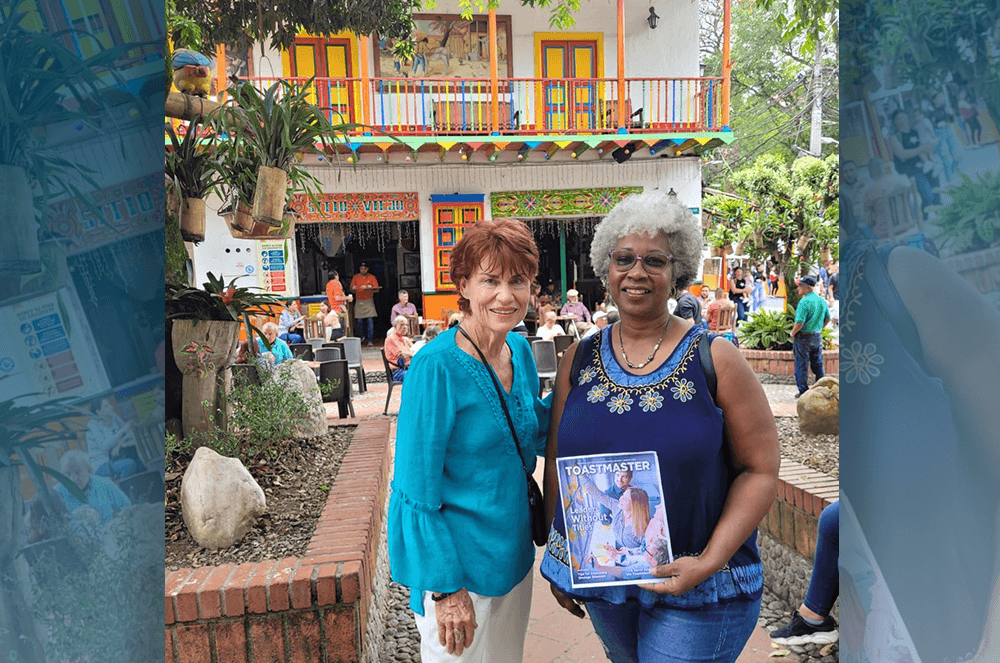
x=640 y=385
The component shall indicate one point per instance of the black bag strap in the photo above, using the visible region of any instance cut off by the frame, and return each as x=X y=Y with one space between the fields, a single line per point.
x=503 y=401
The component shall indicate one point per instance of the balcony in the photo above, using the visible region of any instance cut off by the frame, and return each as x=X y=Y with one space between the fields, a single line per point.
x=688 y=112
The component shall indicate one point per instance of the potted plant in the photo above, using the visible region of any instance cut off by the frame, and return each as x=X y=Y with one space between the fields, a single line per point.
x=719 y=237
x=42 y=83
x=27 y=425
x=971 y=221
x=275 y=127
x=204 y=328
x=192 y=168
x=237 y=187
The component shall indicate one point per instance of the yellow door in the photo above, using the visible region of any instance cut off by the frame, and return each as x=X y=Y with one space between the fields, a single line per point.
x=568 y=101
x=329 y=60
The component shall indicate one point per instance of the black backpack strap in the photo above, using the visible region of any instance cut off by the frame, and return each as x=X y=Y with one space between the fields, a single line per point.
x=887 y=298
x=582 y=349
x=707 y=365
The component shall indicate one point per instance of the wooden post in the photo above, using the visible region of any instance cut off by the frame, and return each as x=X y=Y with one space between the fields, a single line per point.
x=186 y=107
x=621 y=63
x=726 y=64
x=220 y=73
x=494 y=84
x=365 y=81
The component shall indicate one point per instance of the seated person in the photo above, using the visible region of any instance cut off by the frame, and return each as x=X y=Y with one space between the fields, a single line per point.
x=403 y=306
x=289 y=324
x=331 y=322
x=399 y=348
x=107 y=435
x=576 y=308
x=279 y=349
x=429 y=335
x=600 y=322
x=719 y=303
x=104 y=498
x=550 y=329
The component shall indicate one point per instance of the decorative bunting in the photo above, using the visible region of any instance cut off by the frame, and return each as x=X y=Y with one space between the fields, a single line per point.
x=567 y=202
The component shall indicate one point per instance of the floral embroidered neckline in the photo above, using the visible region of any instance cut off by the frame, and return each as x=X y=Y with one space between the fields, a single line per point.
x=619 y=390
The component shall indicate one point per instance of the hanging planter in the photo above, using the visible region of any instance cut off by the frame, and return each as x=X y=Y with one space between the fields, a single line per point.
x=262 y=230
x=269 y=196
x=718 y=252
x=238 y=219
x=802 y=243
x=193 y=220
x=738 y=248
x=824 y=254
x=758 y=239
x=19 y=232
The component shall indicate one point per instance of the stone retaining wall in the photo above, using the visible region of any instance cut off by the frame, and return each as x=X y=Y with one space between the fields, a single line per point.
x=313 y=609
x=782 y=362
x=788 y=533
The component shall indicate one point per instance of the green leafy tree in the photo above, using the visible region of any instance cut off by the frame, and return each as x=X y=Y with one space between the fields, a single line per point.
x=783 y=214
x=771 y=91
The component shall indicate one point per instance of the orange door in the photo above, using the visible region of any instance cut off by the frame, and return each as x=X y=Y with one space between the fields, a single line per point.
x=568 y=101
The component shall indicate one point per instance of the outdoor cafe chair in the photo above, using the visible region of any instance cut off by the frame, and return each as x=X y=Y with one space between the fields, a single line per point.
x=532 y=339
x=546 y=362
x=144 y=487
x=314 y=328
x=388 y=379
x=326 y=354
x=562 y=343
x=316 y=343
x=303 y=351
x=352 y=353
x=335 y=372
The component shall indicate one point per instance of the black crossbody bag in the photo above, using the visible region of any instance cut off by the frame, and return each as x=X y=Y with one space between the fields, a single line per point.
x=536 y=505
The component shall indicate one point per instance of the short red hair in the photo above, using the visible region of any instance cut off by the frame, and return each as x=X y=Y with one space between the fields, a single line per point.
x=507 y=244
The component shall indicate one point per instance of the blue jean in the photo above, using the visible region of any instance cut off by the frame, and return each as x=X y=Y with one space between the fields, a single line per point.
x=741 y=310
x=715 y=633
x=808 y=351
x=360 y=326
x=123 y=467
x=947 y=149
x=824 y=585
x=288 y=337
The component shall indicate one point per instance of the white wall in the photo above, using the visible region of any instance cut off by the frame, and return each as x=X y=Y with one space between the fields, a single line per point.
x=671 y=50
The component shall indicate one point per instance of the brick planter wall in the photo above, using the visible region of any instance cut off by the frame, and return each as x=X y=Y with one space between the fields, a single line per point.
x=788 y=541
x=980 y=268
x=312 y=609
x=782 y=362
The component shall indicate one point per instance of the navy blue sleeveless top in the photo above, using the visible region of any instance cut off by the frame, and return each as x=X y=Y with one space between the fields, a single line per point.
x=926 y=509
x=671 y=412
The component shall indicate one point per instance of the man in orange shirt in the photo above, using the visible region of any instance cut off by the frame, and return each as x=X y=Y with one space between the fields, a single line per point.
x=364 y=286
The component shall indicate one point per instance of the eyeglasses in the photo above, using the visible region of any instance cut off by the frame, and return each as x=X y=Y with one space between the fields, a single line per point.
x=653 y=263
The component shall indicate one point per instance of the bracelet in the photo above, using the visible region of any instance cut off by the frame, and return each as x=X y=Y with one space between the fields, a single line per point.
x=436 y=596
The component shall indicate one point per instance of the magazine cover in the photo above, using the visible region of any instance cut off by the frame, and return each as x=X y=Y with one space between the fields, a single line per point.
x=616 y=526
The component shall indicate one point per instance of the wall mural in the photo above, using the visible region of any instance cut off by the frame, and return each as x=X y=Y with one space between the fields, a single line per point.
x=568 y=202
x=448 y=46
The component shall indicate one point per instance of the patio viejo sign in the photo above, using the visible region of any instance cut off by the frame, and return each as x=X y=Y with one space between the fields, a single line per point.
x=357 y=207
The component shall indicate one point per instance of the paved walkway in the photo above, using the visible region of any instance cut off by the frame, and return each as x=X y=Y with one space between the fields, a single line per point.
x=554 y=635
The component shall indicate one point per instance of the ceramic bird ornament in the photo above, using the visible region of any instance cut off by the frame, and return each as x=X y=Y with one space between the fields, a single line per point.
x=192 y=72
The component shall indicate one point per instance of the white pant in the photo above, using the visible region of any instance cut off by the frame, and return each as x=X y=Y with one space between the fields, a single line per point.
x=503 y=624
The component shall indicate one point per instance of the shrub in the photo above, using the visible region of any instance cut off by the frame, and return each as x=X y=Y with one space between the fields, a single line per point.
x=261 y=417
x=768 y=330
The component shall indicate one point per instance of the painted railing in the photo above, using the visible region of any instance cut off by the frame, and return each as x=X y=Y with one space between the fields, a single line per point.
x=524 y=106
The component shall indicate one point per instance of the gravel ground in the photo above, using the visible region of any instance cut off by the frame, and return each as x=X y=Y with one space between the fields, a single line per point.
x=295 y=485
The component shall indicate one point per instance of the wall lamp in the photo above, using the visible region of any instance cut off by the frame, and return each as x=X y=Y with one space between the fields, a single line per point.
x=623 y=153
x=652 y=19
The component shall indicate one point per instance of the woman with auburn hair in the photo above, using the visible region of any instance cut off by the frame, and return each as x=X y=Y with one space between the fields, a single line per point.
x=459 y=529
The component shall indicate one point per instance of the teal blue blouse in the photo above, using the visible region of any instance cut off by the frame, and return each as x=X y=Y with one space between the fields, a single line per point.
x=458 y=515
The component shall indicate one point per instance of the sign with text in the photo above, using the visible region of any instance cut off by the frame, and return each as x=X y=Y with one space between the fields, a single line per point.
x=51 y=352
x=357 y=207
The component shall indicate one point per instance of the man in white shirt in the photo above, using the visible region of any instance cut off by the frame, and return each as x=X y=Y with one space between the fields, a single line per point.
x=600 y=322
x=550 y=328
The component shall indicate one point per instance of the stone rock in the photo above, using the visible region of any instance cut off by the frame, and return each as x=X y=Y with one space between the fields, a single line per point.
x=304 y=378
x=220 y=501
x=819 y=407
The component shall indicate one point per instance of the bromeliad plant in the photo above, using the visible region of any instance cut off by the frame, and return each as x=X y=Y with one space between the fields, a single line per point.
x=272 y=129
x=194 y=172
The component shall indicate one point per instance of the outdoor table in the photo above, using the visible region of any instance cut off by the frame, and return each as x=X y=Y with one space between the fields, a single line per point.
x=576 y=332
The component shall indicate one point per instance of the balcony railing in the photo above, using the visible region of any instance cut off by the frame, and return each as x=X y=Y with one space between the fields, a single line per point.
x=524 y=106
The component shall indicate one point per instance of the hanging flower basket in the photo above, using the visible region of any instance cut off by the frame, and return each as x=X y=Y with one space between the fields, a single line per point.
x=193 y=220
x=269 y=196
